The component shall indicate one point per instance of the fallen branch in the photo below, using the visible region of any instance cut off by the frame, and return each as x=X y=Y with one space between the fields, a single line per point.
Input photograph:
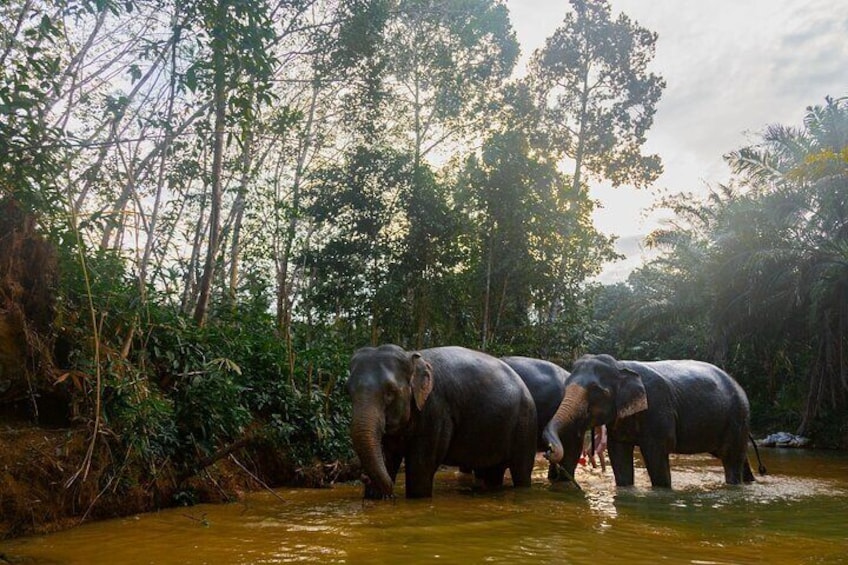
x=217 y=456
x=255 y=478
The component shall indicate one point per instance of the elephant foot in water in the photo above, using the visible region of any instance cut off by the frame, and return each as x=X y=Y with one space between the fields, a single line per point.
x=489 y=479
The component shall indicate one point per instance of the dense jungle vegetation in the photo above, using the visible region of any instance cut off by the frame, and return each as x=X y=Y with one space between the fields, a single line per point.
x=207 y=206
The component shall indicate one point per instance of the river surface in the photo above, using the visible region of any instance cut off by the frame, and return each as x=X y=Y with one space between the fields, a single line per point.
x=796 y=514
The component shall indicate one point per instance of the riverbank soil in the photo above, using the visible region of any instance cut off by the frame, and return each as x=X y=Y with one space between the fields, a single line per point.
x=47 y=482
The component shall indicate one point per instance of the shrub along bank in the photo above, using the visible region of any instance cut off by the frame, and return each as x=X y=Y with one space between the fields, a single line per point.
x=119 y=404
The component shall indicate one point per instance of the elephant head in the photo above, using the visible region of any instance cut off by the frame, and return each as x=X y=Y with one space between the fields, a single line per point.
x=386 y=383
x=599 y=391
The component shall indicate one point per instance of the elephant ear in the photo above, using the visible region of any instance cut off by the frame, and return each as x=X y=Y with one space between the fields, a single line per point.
x=421 y=381
x=631 y=397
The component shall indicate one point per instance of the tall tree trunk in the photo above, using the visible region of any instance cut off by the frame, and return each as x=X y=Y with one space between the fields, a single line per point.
x=419 y=300
x=284 y=288
x=129 y=186
x=501 y=306
x=239 y=205
x=160 y=181
x=487 y=295
x=556 y=302
x=220 y=103
x=190 y=289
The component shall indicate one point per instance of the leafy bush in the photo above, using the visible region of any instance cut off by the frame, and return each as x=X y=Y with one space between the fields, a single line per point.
x=172 y=391
x=209 y=405
x=145 y=421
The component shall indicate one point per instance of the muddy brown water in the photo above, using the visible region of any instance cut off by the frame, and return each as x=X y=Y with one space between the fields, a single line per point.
x=796 y=514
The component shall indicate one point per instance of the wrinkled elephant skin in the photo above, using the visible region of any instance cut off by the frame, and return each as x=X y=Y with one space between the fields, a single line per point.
x=663 y=407
x=439 y=406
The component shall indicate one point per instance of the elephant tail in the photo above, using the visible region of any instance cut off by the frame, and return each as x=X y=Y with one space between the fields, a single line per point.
x=761 y=469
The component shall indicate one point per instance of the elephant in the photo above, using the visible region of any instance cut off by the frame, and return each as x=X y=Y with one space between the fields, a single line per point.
x=546 y=383
x=444 y=405
x=675 y=406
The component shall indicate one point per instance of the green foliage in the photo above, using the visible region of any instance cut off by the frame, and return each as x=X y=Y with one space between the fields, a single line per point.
x=232 y=375
x=29 y=70
x=356 y=205
x=449 y=53
x=531 y=246
x=183 y=392
x=360 y=33
x=144 y=419
x=209 y=405
x=243 y=32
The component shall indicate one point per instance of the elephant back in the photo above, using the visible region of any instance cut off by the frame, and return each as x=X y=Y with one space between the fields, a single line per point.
x=699 y=395
x=546 y=383
x=488 y=404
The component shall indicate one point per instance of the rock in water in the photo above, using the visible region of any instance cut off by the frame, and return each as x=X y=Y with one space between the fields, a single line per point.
x=784 y=439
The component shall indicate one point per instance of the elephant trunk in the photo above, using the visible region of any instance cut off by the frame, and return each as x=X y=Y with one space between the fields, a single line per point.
x=574 y=407
x=366 y=432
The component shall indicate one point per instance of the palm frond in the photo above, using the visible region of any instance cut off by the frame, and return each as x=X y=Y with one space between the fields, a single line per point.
x=759 y=166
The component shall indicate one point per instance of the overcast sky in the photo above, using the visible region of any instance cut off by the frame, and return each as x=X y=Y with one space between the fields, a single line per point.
x=731 y=67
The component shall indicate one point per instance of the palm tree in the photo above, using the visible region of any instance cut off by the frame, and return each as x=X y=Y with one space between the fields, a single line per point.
x=756 y=276
x=801 y=177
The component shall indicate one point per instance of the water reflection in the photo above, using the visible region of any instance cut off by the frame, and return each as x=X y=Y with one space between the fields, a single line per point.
x=796 y=515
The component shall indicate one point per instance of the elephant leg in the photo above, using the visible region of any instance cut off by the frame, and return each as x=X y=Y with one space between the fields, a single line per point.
x=734 y=459
x=491 y=477
x=419 y=480
x=572 y=447
x=656 y=462
x=522 y=457
x=521 y=468
x=621 y=459
x=747 y=473
x=737 y=469
x=393 y=461
x=422 y=462
x=732 y=474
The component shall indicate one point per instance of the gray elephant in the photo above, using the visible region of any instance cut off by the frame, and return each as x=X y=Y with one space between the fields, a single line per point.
x=446 y=405
x=546 y=383
x=663 y=407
